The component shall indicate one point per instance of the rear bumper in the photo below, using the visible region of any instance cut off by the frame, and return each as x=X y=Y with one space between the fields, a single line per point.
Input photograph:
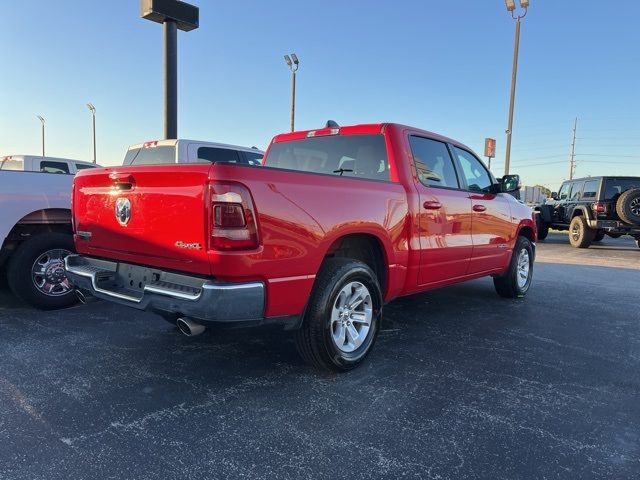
x=614 y=226
x=151 y=289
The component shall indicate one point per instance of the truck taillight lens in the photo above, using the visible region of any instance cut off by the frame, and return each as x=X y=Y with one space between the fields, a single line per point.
x=233 y=223
x=599 y=207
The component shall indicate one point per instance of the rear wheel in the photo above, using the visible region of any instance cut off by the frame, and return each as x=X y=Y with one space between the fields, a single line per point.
x=598 y=236
x=36 y=271
x=638 y=242
x=580 y=235
x=516 y=281
x=628 y=206
x=342 y=319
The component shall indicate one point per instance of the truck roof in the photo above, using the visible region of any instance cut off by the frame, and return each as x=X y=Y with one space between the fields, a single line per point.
x=40 y=157
x=364 y=129
x=173 y=142
x=598 y=177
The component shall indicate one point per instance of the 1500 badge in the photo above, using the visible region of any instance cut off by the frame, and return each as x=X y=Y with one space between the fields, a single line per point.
x=188 y=246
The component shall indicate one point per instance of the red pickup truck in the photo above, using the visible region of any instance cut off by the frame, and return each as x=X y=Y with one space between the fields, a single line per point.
x=337 y=222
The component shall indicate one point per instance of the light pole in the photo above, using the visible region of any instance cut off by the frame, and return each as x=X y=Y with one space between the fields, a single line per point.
x=42 y=122
x=511 y=6
x=293 y=63
x=93 y=114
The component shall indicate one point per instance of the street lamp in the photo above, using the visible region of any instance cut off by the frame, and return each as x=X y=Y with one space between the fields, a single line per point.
x=42 y=121
x=511 y=6
x=293 y=63
x=93 y=114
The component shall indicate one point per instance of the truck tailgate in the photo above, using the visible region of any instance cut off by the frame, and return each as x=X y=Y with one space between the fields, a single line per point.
x=152 y=215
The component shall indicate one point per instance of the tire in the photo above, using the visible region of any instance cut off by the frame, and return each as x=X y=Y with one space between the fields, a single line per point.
x=38 y=260
x=580 y=235
x=638 y=242
x=324 y=339
x=598 y=236
x=516 y=281
x=543 y=229
x=628 y=206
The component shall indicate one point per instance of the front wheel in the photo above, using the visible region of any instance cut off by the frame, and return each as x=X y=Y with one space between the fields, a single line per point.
x=543 y=228
x=516 y=281
x=598 y=236
x=342 y=319
x=36 y=271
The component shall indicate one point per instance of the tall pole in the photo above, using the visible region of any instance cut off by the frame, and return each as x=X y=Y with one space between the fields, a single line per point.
x=514 y=74
x=92 y=109
x=170 y=79
x=293 y=100
x=42 y=121
x=572 y=161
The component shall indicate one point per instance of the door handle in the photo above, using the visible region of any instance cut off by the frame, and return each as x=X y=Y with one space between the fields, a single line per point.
x=432 y=205
x=479 y=208
x=122 y=181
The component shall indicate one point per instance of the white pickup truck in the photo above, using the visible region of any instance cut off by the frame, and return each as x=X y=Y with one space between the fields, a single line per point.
x=33 y=163
x=35 y=227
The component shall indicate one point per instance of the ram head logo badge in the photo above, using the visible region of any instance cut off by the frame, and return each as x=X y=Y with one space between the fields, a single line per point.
x=123 y=211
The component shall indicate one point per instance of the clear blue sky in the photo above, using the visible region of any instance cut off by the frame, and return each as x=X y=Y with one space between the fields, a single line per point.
x=440 y=65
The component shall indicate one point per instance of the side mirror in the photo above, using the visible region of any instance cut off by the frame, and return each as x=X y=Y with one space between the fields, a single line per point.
x=554 y=195
x=510 y=183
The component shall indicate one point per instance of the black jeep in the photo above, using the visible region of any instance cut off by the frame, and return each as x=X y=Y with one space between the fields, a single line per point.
x=591 y=208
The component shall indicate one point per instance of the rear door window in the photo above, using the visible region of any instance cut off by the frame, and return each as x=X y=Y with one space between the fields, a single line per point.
x=151 y=156
x=590 y=189
x=218 y=155
x=357 y=156
x=253 y=158
x=433 y=163
x=54 y=167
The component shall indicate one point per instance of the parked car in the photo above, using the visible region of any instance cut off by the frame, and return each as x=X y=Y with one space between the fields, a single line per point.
x=340 y=221
x=35 y=236
x=590 y=208
x=158 y=152
x=33 y=163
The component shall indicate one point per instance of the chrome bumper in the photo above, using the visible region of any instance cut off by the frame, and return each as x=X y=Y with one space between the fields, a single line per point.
x=152 y=289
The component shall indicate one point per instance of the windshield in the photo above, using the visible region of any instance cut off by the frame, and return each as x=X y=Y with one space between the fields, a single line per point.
x=360 y=156
x=613 y=187
x=10 y=164
x=150 y=156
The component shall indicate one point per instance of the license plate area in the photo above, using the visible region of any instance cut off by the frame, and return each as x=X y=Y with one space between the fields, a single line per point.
x=134 y=278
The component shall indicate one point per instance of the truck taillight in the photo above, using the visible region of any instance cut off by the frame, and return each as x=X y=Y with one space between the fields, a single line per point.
x=599 y=207
x=233 y=218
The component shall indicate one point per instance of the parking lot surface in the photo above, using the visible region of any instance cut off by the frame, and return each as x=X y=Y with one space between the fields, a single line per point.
x=461 y=384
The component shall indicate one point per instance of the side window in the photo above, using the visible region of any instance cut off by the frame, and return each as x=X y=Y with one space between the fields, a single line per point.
x=54 y=167
x=564 y=191
x=590 y=189
x=254 y=158
x=218 y=155
x=575 y=191
x=478 y=179
x=433 y=163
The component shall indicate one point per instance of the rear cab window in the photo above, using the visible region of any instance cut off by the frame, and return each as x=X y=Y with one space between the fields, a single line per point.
x=614 y=187
x=355 y=156
x=150 y=155
x=11 y=164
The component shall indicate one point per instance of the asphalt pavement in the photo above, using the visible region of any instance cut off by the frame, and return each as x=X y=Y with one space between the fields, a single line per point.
x=461 y=384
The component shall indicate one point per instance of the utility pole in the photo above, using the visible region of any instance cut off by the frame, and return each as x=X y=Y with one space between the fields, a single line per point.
x=92 y=109
x=572 y=160
x=42 y=121
x=293 y=63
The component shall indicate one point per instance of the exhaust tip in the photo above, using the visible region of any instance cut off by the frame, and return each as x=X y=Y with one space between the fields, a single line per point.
x=84 y=298
x=189 y=328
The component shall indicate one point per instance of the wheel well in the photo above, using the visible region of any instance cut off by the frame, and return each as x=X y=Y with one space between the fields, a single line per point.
x=577 y=213
x=366 y=248
x=526 y=232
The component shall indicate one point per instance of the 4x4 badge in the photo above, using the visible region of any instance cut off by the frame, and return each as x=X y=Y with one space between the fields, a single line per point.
x=123 y=211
